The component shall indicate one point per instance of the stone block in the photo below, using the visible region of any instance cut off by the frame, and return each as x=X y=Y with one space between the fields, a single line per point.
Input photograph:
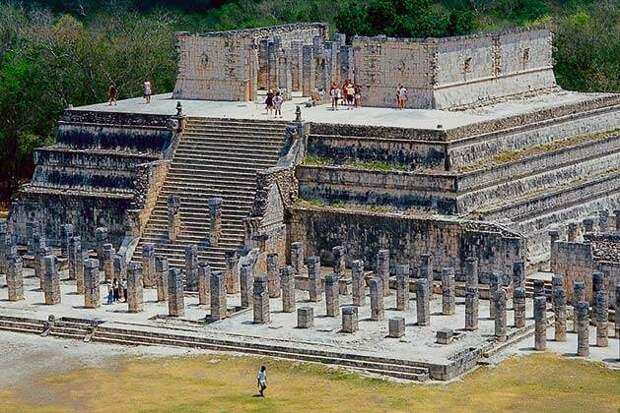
x=92 y=292
x=305 y=317
x=176 y=300
x=445 y=336
x=218 y=296
x=396 y=327
x=350 y=321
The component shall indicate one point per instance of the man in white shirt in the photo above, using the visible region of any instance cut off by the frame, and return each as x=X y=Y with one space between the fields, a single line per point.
x=261 y=379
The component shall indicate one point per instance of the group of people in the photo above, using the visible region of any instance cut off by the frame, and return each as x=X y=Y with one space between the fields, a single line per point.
x=347 y=95
x=116 y=290
x=113 y=92
x=273 y=103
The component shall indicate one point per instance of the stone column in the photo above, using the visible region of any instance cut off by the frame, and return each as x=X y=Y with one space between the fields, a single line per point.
x=51 y=284
x=519 y=307
x=261 y=300
x=218 y=296
x=554 y=235
x=15 y=277
x=101 y=238
x=540 y=323
x=426 y=271
x=339 y=253
x=232 y=272
x=617 y=319
x=288 y=289
x=448 y=302
x=79 y=275
x=493 y=287
x=383 y=269
x=305 y=317
x=148 y=265
x=518 y=274
x=176 y=300
x=572 y=231
x=92 y=293
x=40 y=253
x=559 y=311
x=500 y=315
x=120 y=267
x=598 y=282
x=601 y=310
x=579 y=289
x=617 y=219
x=108 y=262
x=583 y=335
x=4 y=247
x=74 y=255
x=603 y=221
x=402 y=287
x=174 y=217
x=332 y=299
x=588 y=225
x=471 y=308
x=297 y=257
x=350 y=323
x=246 y=276
x=358 y=286
x=273 y=276
x=422 y=302
x=471 y=272
x=215 y=221
x=376 y=299
x=308 y=73
x=161 y=271
x=396 y=327
x=67 y=234
x=135 y=288
x=33 y=228
x=191 y=267
x=204 y=281
x=314 y=278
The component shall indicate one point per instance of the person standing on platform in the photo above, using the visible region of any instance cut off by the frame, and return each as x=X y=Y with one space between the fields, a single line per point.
x=401 y=96
x=148 y=91
x=277 y=103
x=112 y=94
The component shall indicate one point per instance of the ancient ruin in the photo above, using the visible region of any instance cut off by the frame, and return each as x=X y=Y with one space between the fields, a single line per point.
x=493 y=196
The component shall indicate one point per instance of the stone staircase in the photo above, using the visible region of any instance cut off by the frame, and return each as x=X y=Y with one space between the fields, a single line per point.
x=214 y=158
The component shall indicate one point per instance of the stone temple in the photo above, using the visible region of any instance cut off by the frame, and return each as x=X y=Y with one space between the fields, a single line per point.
x=492 y=173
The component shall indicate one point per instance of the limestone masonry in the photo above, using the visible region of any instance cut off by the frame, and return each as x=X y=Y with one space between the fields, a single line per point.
x=407 y=243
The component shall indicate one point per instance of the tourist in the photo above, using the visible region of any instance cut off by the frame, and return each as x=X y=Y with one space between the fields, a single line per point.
x=277 y=103
x=117 y=290
x=401 y=96
x=148 y=91
x=125 y=290
x=269 y=102
x=261 y=378
x=358 y=96
x=112 y=94
x=350 y=93
x=334 y=94
x=110 y=294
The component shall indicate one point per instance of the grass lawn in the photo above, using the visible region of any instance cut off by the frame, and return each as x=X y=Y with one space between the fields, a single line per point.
x=214 y=383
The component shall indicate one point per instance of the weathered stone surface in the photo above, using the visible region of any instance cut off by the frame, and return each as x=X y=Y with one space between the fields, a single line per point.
x=518 y=274
x=396 y=327
x=204 y=283
x=120 y=267
x=4 y=246
x=583 y=335
x=161 y=271
x=332 y=298
x=603 y=221
x=218 y=296
x=191 y=267
x=471 y=272
x=573 y=229
x=579 y=289
x=232 y=272
x=288 y=288
x=176 y=300
x=67 y=234
x=74 y=255
x=588 y=225
x=305 y=317
x=471 y=308
x=494 y=282
x=339 y=252
x=148 y=265
x=617 y=319
x=92 y=293
x=383 y=269
x=314 y=278
x=358 y=286
x=15 y=278
x=426 y=271
x=273 y=276
x=423 y=302
x=261 y=300
x=297 y=257
x=246 y=275
x=445 y=336
x=101 y=238
x=135 y=288
x=601 y=311
x=108 y=262
x=350 y=321
x=500 y=315
x=448 y=303
x=215 y=220
x=402 y=287
x=519 y=307
x=559 y=311
x=174 y=217
x=540 y=323
x=377 y=310
x=51 y=284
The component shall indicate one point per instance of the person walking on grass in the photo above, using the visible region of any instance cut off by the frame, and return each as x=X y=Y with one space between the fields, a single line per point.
x=112 y=94
x=277 y=104
x=261 y=380
x=148 y=90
